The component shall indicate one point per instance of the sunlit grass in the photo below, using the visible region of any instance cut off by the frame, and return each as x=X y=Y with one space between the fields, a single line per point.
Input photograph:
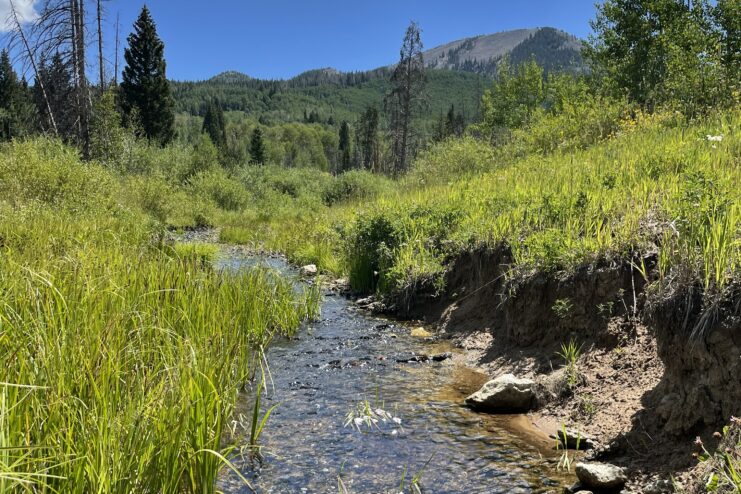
x=122 y=355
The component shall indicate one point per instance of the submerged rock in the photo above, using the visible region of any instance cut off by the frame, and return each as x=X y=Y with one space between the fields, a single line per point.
x=600 y=475
x=506 y=393
x=440 y=357
x=309 y=271
x=421 y=333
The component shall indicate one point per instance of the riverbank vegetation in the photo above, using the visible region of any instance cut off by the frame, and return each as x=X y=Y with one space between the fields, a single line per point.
x=123 y=354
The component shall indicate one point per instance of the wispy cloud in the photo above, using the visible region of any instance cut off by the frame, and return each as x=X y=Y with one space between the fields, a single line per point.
x=26 y=12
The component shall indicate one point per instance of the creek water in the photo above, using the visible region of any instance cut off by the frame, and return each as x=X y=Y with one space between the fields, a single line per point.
x=348 y=358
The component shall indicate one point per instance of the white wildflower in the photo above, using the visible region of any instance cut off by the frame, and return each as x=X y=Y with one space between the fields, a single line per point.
x=717 y=138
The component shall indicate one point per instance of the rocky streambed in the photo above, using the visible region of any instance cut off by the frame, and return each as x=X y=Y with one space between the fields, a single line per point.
x=364 y=407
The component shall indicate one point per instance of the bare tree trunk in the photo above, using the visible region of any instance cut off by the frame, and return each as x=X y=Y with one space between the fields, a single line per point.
x=39 y=79
x=118 y=29
x=101 y=64
x=78 y=41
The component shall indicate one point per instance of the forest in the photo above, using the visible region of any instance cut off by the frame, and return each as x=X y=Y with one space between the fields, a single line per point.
x=126 y=352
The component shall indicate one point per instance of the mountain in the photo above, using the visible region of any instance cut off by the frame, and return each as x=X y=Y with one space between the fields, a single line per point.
x=553 y=49
x=458 y=74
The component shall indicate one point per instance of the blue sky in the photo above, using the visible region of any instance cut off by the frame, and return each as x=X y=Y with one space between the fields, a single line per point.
x=282 y=38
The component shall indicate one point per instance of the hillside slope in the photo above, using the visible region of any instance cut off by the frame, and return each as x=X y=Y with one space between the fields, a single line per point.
x=553 y=49
x=326 y=92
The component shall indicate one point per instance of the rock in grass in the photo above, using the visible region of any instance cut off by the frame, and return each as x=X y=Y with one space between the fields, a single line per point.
x=309 y=271
x=506 y=393
x=601 y=476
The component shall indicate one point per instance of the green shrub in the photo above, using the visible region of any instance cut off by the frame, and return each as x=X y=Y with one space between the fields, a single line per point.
x=371 y=240
x=46 y=170
x=226 y=192
x=354 y=185
x=451 y=160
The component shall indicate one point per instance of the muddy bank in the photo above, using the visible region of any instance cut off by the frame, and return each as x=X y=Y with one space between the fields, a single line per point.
x=656 y=370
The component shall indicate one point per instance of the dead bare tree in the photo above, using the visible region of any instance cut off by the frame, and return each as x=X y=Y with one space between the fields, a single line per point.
x=101 y=63
x=118 y=29
x=59 y=32
x=18 y=31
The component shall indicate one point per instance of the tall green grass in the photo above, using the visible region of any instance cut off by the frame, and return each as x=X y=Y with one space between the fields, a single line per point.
x=122 y=356
x=658 y=183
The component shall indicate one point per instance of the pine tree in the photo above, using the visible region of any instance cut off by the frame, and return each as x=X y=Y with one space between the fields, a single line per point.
x=57 y=82
x=367 y=154
x=214 y=124
x=145 y=91
x=344 y=147
x=406 y=98
x=257 y=147
x=9 y=89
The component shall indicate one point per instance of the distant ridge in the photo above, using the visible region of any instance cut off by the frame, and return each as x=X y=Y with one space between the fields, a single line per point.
x=553 y=49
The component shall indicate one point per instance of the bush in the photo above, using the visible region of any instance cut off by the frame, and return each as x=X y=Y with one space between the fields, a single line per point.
x=353 y=185
x=452 y=160
x=227 y=193
x=372 y=237
x=45 y=170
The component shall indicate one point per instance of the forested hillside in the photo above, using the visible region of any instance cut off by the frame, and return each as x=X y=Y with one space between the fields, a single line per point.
x=325 y=96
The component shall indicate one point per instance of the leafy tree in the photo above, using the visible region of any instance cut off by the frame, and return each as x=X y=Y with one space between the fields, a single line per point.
x=665 y=51
x=145 y=90
x=107 y=135
x=344 y=147
x=727 y=17
x=513 y=99
x=257 y=147
x=405 y=101
x=214 y=124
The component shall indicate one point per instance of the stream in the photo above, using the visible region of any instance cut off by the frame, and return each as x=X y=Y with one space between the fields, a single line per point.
x=348 y=358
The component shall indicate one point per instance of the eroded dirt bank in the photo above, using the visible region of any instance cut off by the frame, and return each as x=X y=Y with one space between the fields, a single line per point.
x=655 y=371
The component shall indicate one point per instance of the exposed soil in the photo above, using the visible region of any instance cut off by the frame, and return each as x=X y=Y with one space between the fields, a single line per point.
x=647 y=385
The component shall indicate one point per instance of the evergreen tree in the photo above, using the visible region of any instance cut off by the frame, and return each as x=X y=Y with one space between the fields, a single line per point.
x=367 y=154
x=145 y=91
x=9 y=89
x=440 y=133
x=406 y=98
x=214 y=124
x=57 y=79
x=344 y=147
x=257 y=147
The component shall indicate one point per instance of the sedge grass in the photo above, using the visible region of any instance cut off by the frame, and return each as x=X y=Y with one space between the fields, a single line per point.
x=121 y=362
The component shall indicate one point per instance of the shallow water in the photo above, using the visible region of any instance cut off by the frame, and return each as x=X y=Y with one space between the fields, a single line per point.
x=348 y=357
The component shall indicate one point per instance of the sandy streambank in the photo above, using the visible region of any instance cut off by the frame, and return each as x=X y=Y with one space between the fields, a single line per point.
x=654 y=370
